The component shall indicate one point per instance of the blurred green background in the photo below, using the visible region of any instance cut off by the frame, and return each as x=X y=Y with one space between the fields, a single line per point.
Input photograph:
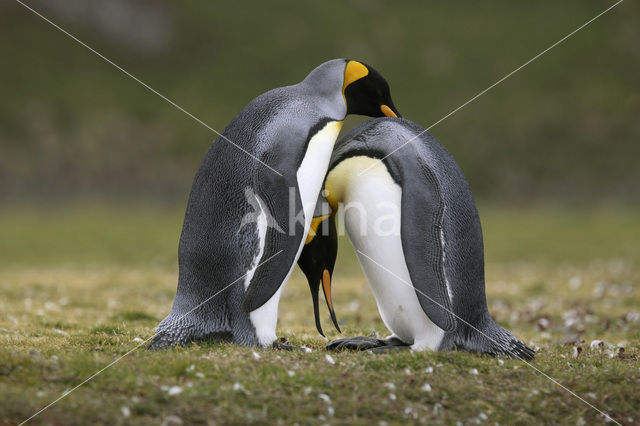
x=564 y=130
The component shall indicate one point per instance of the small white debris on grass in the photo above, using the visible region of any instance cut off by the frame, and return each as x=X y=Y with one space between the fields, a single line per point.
x=437 y=407
x=354 y=306
x=329 y=359
x=426 y=387
x=174 y=390
x=392 y=396
x=306 y=349
x=483 y=416
x=40 y=394
x=500 y=361
x=191 y=368
x=543 y=323
x=331 y=410
x=407 y=371
x=50 y=306
x=137 y=340
x=291 y=373
x=307 y=390
x=61 y=332
x=126 y=412
x=596 y=344
x=172 y=420
x=256 y=355
x=238 y=387
x=199 y=375
x=575 y=282
x=390 y=386
x=428 y=370
x=324 y=397
x=474 y=371
x=410 y=412
x=577 y=350
x=632 y=316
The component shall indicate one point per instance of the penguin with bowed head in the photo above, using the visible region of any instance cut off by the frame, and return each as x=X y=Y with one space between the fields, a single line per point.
x=411 y=217
x=238 y=244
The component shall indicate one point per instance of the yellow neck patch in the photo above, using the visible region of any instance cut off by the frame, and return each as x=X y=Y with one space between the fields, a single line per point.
x=352 y=72
x=313 y=229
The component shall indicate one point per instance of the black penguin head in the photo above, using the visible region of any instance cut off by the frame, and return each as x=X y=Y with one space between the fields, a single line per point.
x=366 y=92
x=317 y=260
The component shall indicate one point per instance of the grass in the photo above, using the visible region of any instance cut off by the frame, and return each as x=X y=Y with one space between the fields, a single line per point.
x=80 y=287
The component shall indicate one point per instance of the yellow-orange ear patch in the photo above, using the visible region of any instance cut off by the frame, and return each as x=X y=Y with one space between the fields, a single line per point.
x=352 y=72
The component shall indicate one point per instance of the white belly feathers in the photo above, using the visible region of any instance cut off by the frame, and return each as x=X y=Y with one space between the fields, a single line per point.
x=372 y=217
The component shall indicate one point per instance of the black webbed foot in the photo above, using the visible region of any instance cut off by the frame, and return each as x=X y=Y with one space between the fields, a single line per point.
x=283 y=345
x=361 y=343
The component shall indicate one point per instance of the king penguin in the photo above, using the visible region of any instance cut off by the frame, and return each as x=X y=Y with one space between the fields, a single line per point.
x=239 y=243
x=411 y=217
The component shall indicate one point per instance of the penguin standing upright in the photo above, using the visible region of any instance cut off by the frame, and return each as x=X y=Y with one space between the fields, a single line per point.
x=414 y=225
x=232 y=270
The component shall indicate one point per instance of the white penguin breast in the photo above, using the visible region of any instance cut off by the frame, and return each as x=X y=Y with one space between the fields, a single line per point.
x=310 y=176
x=312 y=170
x=372 y=215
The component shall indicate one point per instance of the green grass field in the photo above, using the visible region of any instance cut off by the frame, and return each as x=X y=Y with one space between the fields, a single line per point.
x=82 y=287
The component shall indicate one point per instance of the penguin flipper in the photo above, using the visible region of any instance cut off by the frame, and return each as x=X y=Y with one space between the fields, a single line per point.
x=421 y=232
x=282 y=240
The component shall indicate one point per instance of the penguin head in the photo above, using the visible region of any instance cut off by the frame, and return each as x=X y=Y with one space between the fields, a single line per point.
x=317 y=260
x=366 y=92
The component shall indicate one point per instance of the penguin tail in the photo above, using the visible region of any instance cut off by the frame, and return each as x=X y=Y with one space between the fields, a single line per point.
x=489 y=338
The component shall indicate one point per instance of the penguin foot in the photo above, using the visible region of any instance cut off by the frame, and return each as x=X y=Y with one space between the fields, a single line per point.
x=361 y=343
x=283 y=345
x=357 y=343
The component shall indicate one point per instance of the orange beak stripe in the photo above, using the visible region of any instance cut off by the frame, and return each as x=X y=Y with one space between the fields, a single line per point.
x=326 y=287
x=387 y=111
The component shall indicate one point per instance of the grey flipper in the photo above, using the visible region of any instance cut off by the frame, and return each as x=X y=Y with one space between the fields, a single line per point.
x=421 y=229
x=281 y=245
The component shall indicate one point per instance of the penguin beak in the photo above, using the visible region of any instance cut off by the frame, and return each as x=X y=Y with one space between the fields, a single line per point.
x=387 y=111
x=316 y=312
x=326 y=288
